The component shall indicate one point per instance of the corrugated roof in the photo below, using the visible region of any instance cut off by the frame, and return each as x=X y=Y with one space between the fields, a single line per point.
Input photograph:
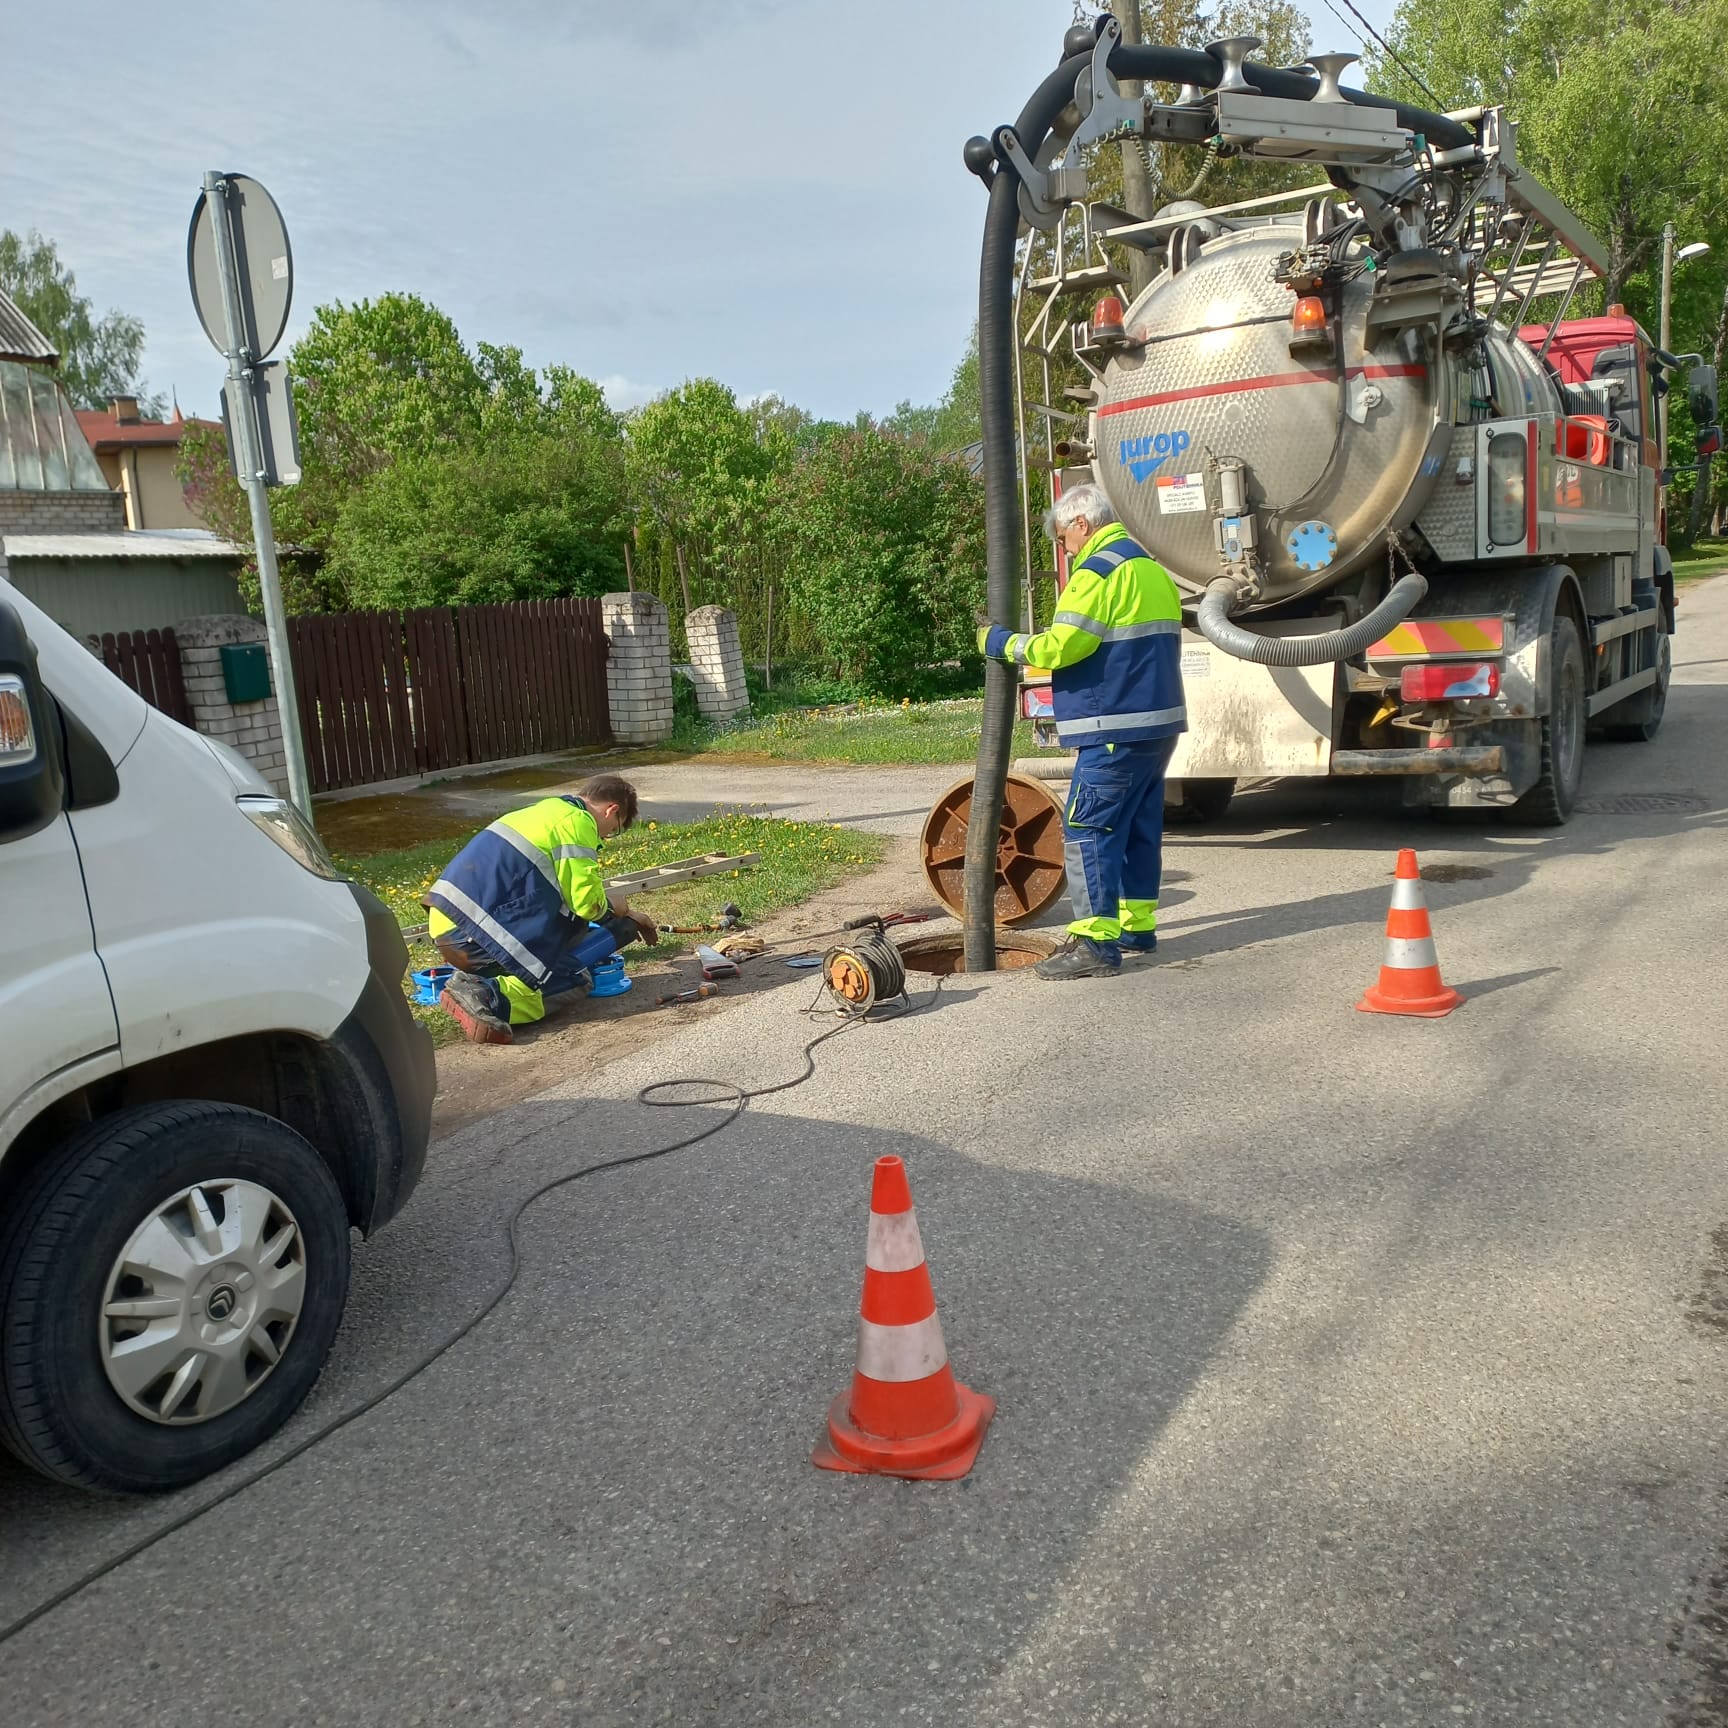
x=42 y=446
x=19 y=338
x=128 y=543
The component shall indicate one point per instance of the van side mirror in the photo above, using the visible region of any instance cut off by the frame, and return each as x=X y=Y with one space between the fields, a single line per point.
x=32 y=786
x=1701 y=394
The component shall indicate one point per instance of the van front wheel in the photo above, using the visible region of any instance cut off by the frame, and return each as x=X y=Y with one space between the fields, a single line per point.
x=170 y=1286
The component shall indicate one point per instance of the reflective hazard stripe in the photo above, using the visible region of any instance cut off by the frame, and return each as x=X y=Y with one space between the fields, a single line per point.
x=575 y=851
x=1079 y=621
x=1119 y=722
x=894 y=1244
x=1407 y=952
x=901 y=1353
x=1135 y=632
x=534 y=854
x=1103 y=561
x=482 y=919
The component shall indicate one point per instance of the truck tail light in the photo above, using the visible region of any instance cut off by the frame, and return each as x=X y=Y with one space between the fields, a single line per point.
x=1448 y=680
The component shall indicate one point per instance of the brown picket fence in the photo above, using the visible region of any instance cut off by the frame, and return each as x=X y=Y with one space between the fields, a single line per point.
x=389 y=694
x=149 y=660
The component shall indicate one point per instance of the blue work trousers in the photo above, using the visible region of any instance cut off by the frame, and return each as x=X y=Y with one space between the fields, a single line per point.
x=1114 y=829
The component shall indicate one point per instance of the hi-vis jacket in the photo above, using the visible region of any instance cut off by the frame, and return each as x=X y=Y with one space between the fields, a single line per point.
x=1115 y=647
x=527 y=886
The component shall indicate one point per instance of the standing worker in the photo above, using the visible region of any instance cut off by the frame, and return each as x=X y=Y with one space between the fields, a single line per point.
x=1115 y=649
x=522 y=911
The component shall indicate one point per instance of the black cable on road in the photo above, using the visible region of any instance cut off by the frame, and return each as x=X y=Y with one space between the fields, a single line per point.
x=653 y=1096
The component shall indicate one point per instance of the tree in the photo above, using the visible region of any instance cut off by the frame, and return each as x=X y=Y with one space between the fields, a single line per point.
x=529 y=512
x=100 y=358
x=884 y=543
x=430 y=473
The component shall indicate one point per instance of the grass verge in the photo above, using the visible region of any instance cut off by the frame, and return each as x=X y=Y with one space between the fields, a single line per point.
x=798 y=859
x=883 y=733
x=1702 y=558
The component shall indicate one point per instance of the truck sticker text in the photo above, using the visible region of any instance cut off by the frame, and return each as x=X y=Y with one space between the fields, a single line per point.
x=1141 y=456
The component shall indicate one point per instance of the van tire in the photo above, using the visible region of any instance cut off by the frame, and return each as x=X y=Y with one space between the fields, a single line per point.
x=59 y=1411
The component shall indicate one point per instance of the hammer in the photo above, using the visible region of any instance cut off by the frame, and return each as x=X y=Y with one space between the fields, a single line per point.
x=730 y=916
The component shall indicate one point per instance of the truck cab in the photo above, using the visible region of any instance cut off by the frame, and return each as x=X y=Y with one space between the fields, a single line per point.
x=209 y=1077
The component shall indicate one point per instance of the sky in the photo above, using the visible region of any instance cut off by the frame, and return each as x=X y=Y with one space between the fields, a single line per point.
x=769 y=192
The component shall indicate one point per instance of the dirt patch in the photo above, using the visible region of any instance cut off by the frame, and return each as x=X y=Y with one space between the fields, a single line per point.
x=475 y=1081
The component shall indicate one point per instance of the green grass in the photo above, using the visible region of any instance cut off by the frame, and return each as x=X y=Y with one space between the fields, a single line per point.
x=798 y=859
x=889 y=733
x=1701 y=558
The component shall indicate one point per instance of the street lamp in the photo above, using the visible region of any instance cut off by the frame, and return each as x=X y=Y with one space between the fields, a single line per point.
x=1692 y=249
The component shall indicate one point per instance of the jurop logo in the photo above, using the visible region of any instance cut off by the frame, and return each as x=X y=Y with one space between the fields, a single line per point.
x=1141 y=455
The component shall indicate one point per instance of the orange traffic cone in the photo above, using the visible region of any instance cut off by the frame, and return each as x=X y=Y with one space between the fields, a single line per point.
x=1410 y=977
x=906 y=1414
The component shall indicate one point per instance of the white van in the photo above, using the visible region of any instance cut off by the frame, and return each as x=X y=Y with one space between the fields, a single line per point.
x=208 y=1077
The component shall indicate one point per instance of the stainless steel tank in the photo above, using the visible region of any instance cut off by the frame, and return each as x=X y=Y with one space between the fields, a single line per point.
x=1331 y=462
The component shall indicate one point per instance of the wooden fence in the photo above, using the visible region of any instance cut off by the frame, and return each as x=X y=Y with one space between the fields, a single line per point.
x=149 y=660
x=386 y=694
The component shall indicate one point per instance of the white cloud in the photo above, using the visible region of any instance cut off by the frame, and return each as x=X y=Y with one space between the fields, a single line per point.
x=623 y=393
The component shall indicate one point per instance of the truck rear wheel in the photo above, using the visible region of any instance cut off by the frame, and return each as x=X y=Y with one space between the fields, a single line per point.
x=1205 y=800
x=1639 y=718
x=1549 y=802
x=170 y=1286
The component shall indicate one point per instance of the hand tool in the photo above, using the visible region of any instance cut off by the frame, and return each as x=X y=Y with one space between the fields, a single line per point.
x=714 y=964
x=695 y=994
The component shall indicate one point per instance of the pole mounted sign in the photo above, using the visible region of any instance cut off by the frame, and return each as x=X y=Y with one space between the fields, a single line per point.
x=242 y=275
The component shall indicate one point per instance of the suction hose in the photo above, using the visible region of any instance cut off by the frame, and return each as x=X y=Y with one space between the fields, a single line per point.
x=1215 y=625
x=997 y=415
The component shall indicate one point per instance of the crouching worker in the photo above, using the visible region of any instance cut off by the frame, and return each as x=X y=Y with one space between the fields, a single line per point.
x=522 y=912
x=1114 y=650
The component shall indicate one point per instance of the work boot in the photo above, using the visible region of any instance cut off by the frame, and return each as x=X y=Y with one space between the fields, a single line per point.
x=1138 y=941
x=1081 y=957
x=478 y=1008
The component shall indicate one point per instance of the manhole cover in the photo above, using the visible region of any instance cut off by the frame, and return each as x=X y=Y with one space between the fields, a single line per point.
x=1640 y=804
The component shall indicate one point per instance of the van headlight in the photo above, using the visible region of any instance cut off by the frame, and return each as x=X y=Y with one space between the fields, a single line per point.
x=293 y=833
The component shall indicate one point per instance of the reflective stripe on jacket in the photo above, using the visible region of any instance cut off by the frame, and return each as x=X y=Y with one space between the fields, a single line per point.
x=1114 y=647
x=527 y=886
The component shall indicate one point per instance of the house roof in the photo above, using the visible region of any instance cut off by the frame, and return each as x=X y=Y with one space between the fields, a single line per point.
x=128 y=543
x=106 y=433
x=19 y=338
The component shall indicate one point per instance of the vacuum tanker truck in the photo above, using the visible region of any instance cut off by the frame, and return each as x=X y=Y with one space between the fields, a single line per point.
x=1414 y=508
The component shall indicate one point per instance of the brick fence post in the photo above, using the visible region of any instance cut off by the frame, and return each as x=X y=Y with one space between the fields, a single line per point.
x=717 y=661
x=639 y=667
x=252 y=728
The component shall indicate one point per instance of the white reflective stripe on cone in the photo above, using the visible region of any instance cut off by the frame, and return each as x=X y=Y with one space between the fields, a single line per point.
x=894 y=1244
x=901 y=1352
x=1409 y=952
x=1407 y=895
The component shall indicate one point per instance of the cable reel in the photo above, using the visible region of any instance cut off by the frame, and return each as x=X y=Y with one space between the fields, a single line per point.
x=864 y=973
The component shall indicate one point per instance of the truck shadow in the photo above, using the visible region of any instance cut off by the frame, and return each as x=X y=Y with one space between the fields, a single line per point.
x=609 y=1482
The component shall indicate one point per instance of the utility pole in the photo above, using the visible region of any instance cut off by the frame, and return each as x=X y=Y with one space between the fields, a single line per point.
x=1662 y=342
x=1137 y=193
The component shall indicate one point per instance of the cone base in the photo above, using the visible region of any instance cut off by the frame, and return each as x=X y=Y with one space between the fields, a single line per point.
x=943 y=1456
x=1435 y=1007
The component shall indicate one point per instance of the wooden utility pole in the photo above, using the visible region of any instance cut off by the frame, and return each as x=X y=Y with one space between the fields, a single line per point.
x=1137 y=195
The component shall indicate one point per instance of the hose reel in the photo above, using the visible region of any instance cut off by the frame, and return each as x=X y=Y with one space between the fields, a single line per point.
x=864 y=973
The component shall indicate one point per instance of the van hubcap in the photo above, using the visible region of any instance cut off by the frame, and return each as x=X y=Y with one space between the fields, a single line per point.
x=202 y=1301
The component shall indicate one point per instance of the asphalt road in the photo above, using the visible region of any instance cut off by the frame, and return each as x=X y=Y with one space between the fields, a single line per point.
x=1351 y=1370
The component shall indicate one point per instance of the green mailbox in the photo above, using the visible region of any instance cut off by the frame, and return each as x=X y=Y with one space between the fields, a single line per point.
x=246 y=671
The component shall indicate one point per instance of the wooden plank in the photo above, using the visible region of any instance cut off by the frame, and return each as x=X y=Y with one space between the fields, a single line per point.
x=335 y=704
x=182 y=709
x=415 y=707
x=354 y=689
x=473 y=687
x=389 y=761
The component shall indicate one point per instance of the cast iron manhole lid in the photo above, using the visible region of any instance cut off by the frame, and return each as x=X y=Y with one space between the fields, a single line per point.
x=1640 y=804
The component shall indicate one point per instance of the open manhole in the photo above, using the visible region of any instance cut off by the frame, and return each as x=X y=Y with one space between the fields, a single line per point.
x=946 y=954
x=1640 y=804
x=1455 y=873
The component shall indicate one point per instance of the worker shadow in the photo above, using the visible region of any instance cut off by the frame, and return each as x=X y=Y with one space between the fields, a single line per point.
x=608 y=1484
